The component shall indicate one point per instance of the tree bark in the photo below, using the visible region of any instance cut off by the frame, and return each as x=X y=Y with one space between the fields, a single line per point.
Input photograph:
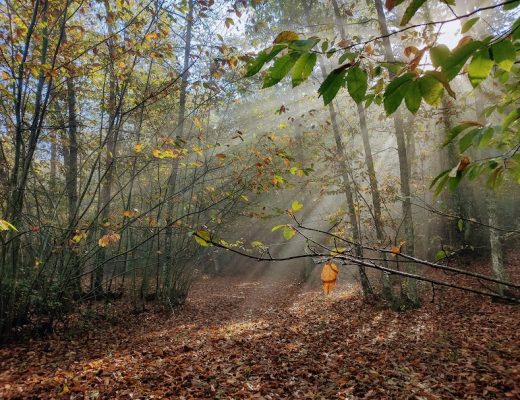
x=404 y=170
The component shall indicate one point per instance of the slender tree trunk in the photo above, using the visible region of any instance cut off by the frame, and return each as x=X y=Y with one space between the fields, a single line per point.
x=495 y=237
x=110 y=158
x=404 y=169
x=376 y=198
x=172 y=180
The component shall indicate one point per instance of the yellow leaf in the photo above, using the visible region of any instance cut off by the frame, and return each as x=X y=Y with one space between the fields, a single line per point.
x=5 y=226
x=5 y=75
x=202 y=237
x=329 y=275
x=296 y=206
x=168 y=154
x=197 y=150
x=151 y=36
x=286 y=36
x=157 y=153
x=138 y=147
x=197 y=123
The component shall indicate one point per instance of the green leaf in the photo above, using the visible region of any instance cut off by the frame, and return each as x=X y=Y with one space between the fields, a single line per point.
x=411 y=10
x=510 y=118
x=413 y=97
x=438 y=177
x=395 y=92
x=277 y=227
x=442 y=79
x=504 y=54
x=262 y=58
x=202 y=237
x=357 y=84
x=515 y=29
x=485 y=137
x=512 y=5
x=289 y=232
x=441 y=254
x=479 y=67
x=431 y=89
x=280 y=69
x=303 y=68
x=469 y=24
x=467 y=140
x=456 y=130
x=296 y=206
x=304 y=45
x=460 y=225
x=331 y=85
x=439 y=54
x=452 y=66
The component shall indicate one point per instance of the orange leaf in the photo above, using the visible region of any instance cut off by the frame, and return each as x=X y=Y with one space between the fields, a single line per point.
x=329 y=275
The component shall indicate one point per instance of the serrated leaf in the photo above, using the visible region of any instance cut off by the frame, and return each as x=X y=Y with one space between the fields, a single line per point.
x=303 y=68
x=411 y=10
x=439 y=54
x=452 y=66
x=504 y=54
x=281 y=67
x=331 y=85
x=431 y=89
x=395 y=92
x=357 y=84
x=479 y=67
x=469 y=24
x=413 y=97
x=286 y=36
x=263 y=57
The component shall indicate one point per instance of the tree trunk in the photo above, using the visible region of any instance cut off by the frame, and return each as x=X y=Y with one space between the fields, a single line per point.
x=404 y=170
x=172 y=180
x=376 y=198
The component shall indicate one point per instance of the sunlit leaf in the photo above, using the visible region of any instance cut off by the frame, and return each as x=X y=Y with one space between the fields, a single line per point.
x=263 y=57
x=296 y=206
x=479 y=67
x=329 y=276
x=303 y=68
x=5 y=226
x=202 y=237
x=411 y=10
x=504 y=54
x=109 y=238
x=289 y=232
x=281 y=67
x=468 y=24
x=286 y=36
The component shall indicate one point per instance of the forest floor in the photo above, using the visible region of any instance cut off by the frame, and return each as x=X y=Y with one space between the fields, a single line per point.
x=270 y=338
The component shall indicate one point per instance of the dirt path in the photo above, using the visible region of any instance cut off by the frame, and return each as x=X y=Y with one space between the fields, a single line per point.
x=263 y=338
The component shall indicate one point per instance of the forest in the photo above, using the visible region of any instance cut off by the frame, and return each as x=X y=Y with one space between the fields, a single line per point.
x=259 y=199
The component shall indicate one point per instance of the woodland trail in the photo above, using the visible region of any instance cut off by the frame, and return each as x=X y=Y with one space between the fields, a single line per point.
x=266 y=338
